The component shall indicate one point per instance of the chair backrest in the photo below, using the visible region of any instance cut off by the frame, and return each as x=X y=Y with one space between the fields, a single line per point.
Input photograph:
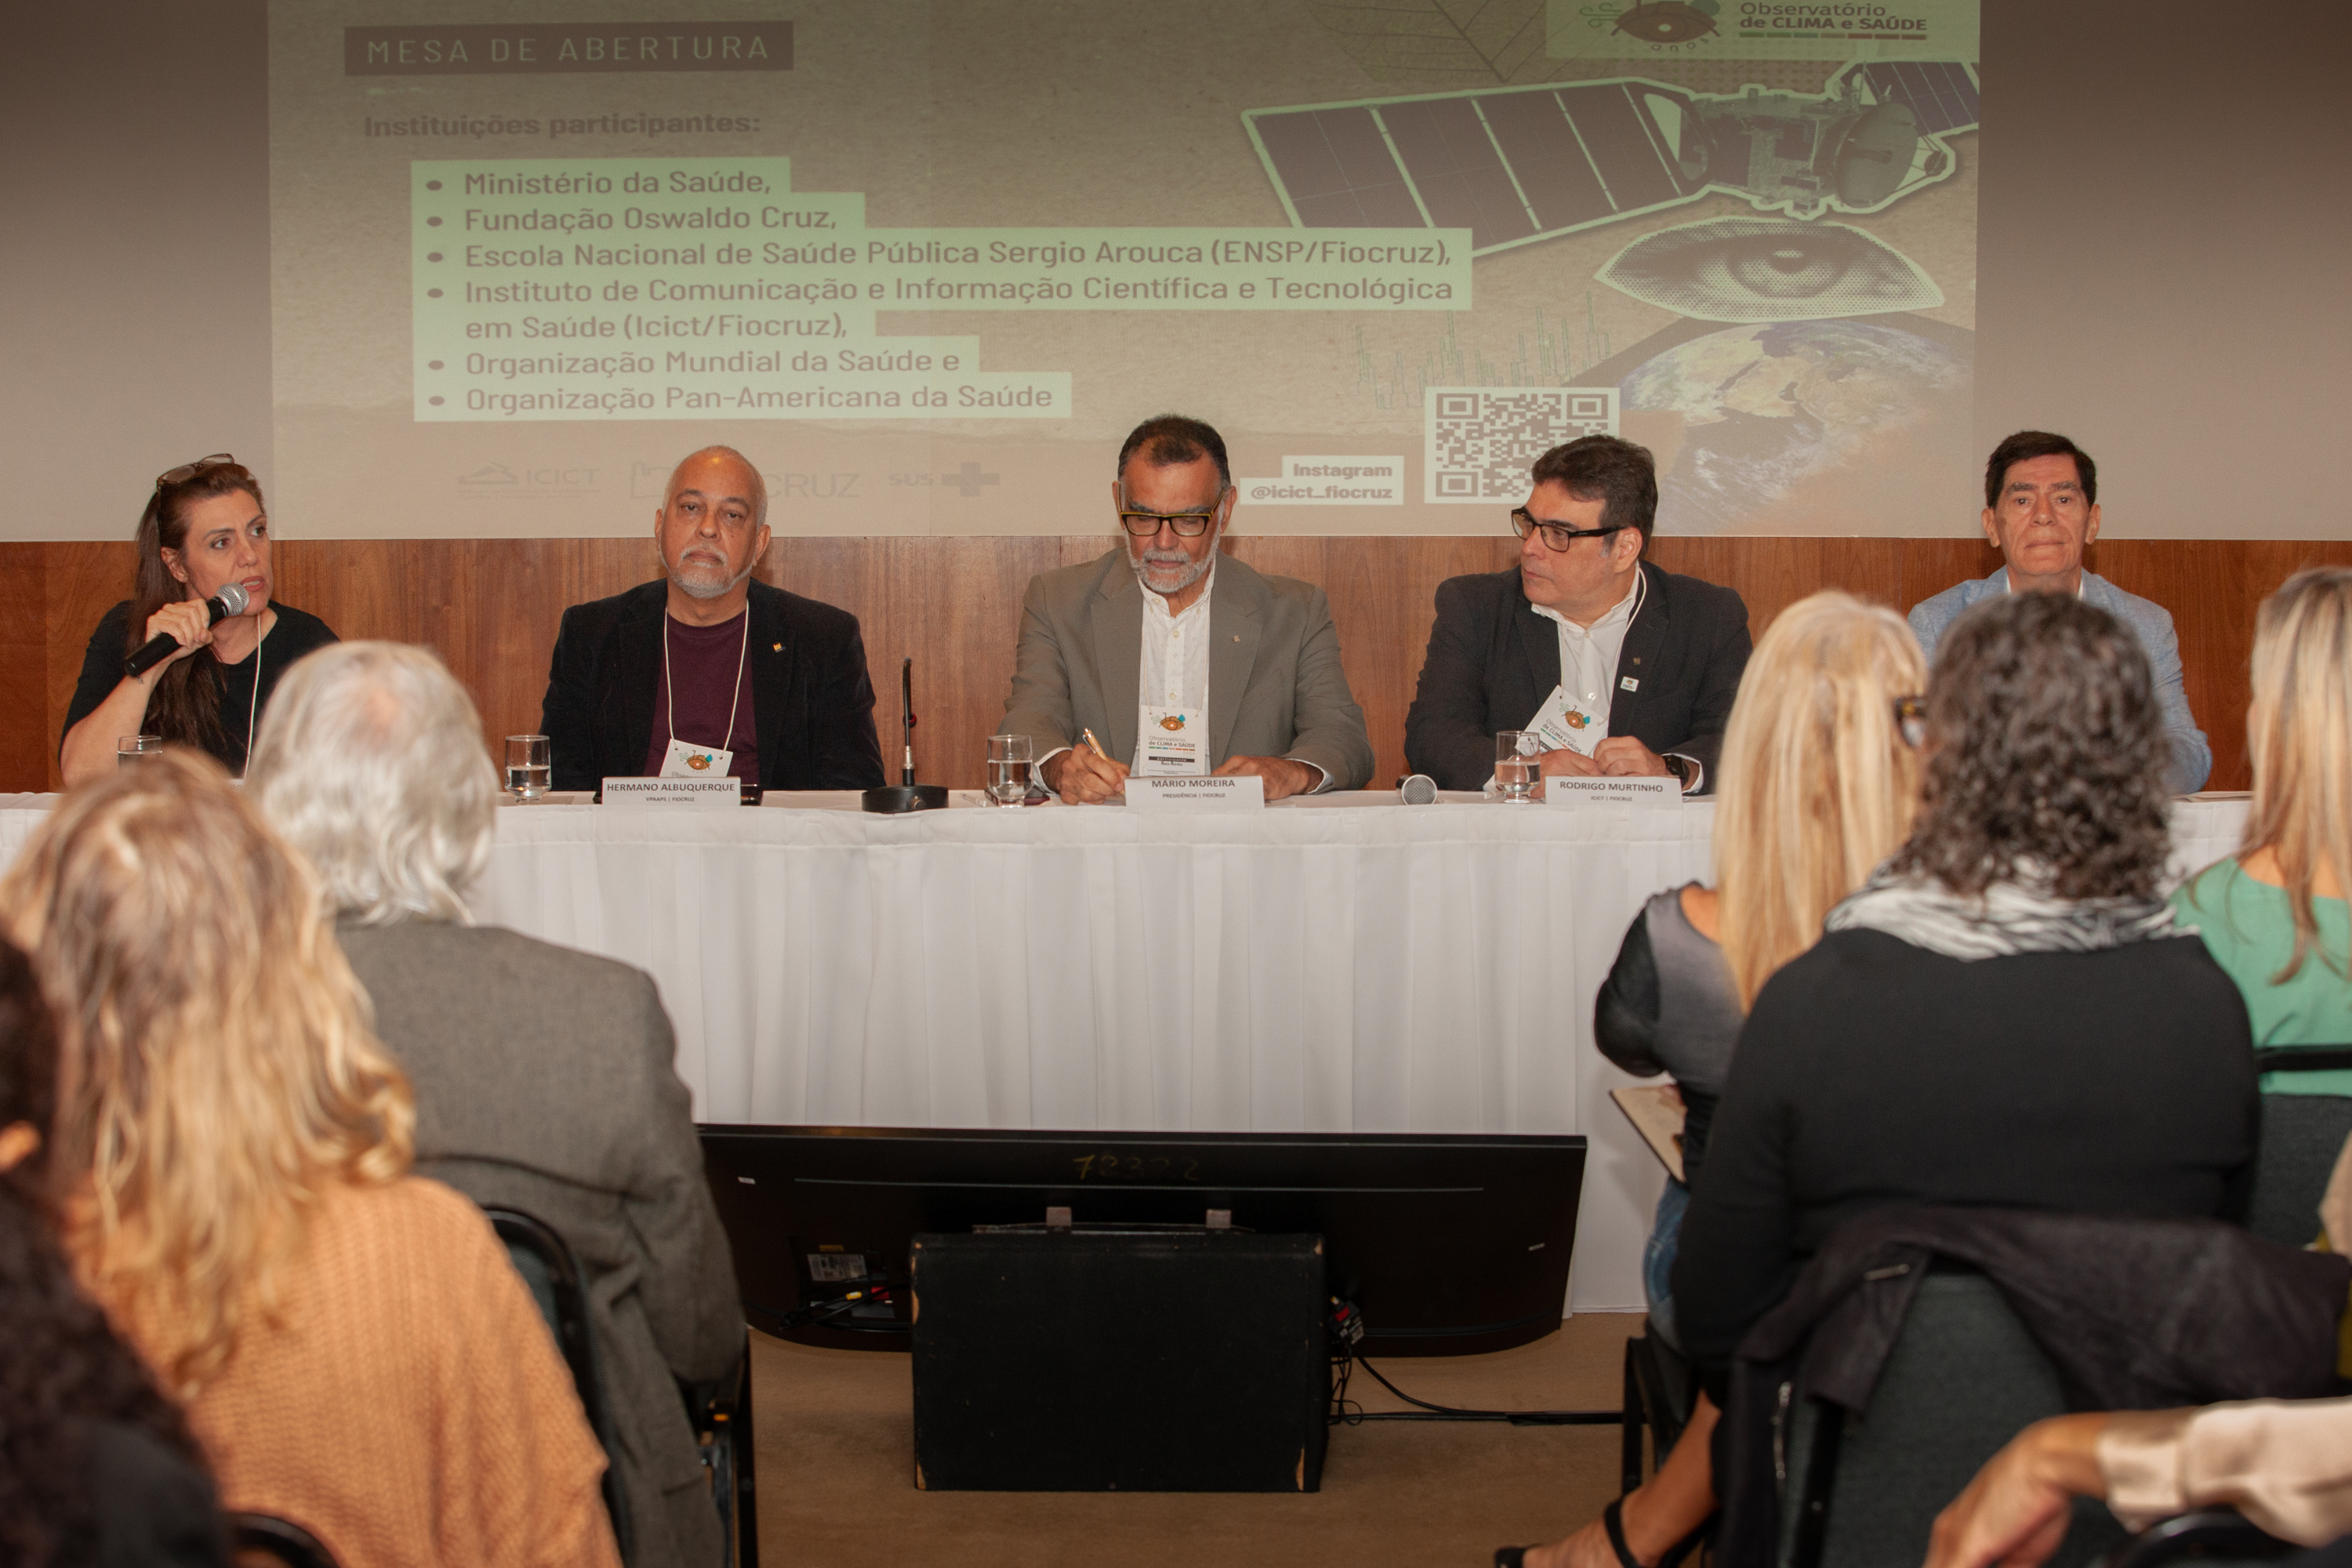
x=1964 y=1378
x=722 y=1418
x=280 y=1541
x=2302 y=1136
x=548 y=1268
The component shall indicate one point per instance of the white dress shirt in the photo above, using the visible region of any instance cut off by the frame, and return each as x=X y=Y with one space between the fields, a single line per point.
x=1587 y=660
x=1175 y=671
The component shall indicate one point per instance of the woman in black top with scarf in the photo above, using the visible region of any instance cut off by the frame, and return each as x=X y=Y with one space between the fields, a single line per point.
x=204 y=527
x=2004 y=1015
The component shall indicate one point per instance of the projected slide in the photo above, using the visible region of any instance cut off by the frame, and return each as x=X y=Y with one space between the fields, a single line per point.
x=926 y=263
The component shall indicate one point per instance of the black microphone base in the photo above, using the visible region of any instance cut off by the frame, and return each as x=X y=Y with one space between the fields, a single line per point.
x=893 y=800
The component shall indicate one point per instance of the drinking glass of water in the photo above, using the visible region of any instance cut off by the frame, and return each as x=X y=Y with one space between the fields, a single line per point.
x=527 y=767
x=130 y=751
x=1515 y=771
x=1009 y=757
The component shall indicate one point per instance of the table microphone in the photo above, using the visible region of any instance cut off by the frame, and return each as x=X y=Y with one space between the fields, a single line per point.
x=230 y=601
x=1418 y=789
x=906 y=795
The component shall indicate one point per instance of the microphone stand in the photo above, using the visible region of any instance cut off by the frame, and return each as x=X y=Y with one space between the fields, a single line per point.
x=907 y=794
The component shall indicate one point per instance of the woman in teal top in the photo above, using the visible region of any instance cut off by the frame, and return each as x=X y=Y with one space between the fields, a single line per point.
x=2273 y=915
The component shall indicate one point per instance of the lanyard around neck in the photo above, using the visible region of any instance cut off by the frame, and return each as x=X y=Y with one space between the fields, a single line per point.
x=725 y=739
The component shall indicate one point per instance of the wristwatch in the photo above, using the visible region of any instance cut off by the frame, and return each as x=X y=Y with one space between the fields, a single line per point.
x=1685 y=770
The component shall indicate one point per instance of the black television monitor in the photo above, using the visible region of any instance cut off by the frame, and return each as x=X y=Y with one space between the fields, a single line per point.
x=1448 y=1243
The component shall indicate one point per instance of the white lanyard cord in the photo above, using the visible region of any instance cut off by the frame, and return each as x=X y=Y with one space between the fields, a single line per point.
x=253 y=704
x=1641 y=593
x=667 y=691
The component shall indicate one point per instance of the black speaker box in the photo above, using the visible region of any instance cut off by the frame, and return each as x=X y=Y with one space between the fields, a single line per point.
x=1062 y=1361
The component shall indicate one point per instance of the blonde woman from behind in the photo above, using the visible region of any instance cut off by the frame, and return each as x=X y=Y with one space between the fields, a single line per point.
x=352 y=1347
x=1818 y=785
x=2274 y=914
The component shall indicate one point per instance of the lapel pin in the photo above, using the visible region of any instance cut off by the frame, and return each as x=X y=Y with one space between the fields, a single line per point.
x=1630 y=684
x=779 y=648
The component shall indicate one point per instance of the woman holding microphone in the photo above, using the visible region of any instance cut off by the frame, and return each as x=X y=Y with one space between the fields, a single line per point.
x=205 y=530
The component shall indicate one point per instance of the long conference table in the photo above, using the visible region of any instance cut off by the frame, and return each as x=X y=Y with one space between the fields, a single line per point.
x=1343 y=963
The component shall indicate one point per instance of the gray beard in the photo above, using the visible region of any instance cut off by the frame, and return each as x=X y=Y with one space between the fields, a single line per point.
x=705 y=589
x=1193 y=571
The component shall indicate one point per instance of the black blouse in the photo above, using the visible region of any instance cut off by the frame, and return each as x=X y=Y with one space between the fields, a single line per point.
x=294 y=632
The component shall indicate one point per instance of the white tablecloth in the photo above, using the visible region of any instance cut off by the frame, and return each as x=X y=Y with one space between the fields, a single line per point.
x=1385 y=969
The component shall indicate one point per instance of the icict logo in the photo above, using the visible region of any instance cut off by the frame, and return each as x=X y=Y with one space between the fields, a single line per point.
x=500 y=479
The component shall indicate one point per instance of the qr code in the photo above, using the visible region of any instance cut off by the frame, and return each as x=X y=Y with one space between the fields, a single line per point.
x=1484 y=439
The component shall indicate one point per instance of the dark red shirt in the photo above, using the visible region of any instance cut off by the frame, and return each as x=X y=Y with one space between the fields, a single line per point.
x=703 y=661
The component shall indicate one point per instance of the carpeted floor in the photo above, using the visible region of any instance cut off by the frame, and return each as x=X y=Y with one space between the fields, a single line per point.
x=835 y=1437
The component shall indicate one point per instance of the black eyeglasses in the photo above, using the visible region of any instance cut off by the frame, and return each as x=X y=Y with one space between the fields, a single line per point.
x=1911 y=720
x=1187 y=524
x=1558 y=535
x=190 y=470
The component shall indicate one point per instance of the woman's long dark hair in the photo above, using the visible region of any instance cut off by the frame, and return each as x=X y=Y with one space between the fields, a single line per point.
x=61 y=1366
x=2048 y=754
x=185 y=704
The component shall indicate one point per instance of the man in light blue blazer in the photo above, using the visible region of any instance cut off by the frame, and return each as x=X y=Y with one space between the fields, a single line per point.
x=2042 y=494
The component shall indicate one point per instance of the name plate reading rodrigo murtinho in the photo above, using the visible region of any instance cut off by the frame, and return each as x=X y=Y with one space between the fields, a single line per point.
x=727 y=791
x=1562 y=790
x=1242 y=792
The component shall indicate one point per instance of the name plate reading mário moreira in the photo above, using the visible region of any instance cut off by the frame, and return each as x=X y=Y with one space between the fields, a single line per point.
x=690 y=793
x=1246 y=793
x=1562 y=790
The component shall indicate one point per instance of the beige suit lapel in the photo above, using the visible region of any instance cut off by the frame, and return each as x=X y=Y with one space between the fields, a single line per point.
x=1236 y=619
x=1117 y=626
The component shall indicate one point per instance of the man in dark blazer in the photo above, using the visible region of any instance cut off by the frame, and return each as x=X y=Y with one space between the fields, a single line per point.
x=768 y=686
x=1645 y=661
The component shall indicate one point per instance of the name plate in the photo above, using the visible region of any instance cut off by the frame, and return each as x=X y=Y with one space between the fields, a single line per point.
x=725 y=792
x=1244 y=793
x=1562 y=790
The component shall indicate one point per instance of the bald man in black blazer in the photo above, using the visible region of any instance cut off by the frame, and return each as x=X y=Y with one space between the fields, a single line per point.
x=1495 y=657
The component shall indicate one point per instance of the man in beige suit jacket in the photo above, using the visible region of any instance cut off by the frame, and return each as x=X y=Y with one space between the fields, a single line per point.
x=1096 y=651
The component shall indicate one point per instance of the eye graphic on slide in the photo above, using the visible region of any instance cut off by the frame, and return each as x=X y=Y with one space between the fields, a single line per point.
x=1668 y=21
x=1769 y=269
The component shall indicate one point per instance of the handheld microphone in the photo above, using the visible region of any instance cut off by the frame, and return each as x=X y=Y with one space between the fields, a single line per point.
x=1418 y=789
x=230 y=601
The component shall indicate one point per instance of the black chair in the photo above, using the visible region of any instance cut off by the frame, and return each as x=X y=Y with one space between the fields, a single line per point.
x=556 y=1283
x=1964 y=1378
x=2212 y=1536
x=276 y=1539
x=2302 y=1134
x=722 y=1424
x=1661 y=1391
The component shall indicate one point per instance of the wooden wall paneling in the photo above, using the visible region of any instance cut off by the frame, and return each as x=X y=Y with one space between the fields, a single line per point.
x=951 y=604
x=24 y=644
x=81 y=583
x=1932 y=566
x=2213 y=587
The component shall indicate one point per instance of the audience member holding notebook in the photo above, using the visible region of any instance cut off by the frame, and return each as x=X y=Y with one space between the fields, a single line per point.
x=2016 y=939
x=1816 y=784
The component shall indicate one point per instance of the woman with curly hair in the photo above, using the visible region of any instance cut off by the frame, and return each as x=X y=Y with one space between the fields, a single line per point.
x=95 y=1465
x=2004 y=1015
x=353 y=1348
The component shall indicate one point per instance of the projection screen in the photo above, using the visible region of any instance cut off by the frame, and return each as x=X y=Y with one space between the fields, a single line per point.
x=926 y=264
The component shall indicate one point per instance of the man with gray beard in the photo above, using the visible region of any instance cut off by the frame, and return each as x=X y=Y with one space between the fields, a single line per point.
x=706 y=672
x=1166 y=658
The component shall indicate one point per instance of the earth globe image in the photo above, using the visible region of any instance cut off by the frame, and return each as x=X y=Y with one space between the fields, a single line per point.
x=1765 y=409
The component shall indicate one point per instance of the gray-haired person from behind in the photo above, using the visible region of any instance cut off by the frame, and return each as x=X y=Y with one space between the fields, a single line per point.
x=545 y=1078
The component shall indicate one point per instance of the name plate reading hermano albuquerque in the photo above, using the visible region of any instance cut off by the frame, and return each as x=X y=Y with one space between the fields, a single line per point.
x=689 y=792
x=1244 y=793
x=1562 y=790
